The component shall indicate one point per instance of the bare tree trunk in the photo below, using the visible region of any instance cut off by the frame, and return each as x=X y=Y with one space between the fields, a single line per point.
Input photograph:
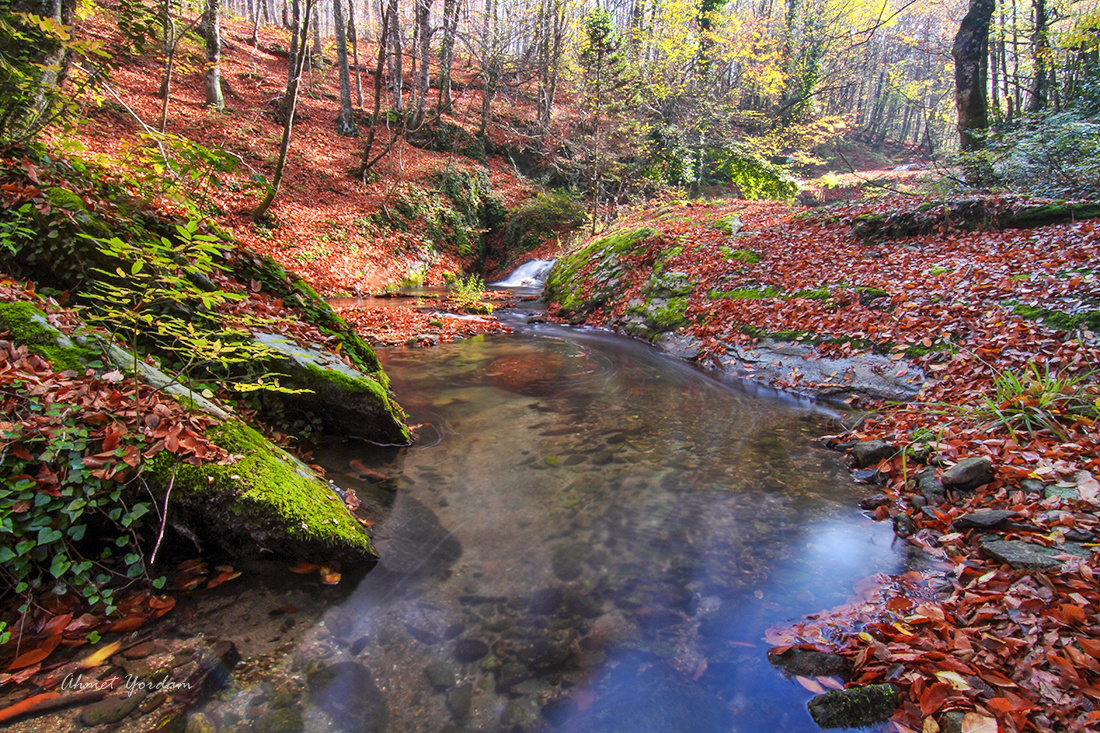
x=447 y=52
x=292 y=95
x=397 y=80
x=368 y=162
x=968 y=51
x=423 y=10
x=211 y=31
x=354 y=33
x=345 y=121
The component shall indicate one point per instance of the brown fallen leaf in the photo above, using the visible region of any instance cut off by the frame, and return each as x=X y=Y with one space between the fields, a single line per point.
x=99 y=656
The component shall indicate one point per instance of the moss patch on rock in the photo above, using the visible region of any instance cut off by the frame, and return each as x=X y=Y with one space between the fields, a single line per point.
x=577 y=293
x=267 y=499
x=28 y=326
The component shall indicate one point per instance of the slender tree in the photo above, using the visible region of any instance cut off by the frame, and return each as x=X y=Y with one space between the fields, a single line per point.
x=345 y=120
x=446 y=52
x=302 y=32
x=354 y=33
x=424 y=34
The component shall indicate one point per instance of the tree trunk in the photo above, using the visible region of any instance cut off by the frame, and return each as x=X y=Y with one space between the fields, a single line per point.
x=397 y=81
x=368 y=161
x=292 y=96
x=446 y=52
x=1040 y=54
x=353 y=31
x=968 y=51
x=212 y=35
x=345 y=121
x=423 y=10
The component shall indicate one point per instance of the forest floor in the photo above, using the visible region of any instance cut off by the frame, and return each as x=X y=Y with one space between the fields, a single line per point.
x=986 y=642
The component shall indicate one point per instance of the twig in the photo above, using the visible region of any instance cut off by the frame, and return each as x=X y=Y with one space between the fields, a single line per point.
x=47 y=701
x=163 y=516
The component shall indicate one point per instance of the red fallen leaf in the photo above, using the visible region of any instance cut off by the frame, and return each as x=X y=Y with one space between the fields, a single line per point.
x=282 y=610
x=18 y=678
x=36 y=655
x=1074 y=613
x=20 y=708
x=161 y=605
x=128 y=624
x=21 y=507
x=329 y=576
x=83 y=623
x=197 y=565
x=223 y=577
x=21 y=452
x=934 y=697
x=303 y=568
x=110 y=441
x=57 y=624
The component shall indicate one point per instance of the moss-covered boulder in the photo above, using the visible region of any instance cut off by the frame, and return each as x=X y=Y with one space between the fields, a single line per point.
x=589 y=279
x=29 y=327
x=264 y=500
x=348 y=401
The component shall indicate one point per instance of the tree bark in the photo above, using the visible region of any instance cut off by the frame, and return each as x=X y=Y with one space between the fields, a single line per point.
x=345 y=120
x=1040 y=54
x=397 y=80
x=968 y=51
x=211 y=32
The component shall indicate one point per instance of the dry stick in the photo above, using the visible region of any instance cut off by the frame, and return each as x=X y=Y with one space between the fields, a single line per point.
x=47 y=701
x=163 y=516
x=156 y=136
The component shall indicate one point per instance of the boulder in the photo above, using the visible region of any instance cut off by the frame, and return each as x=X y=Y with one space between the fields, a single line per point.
x=348 y=401
x=984 y=519
x=1027 y=556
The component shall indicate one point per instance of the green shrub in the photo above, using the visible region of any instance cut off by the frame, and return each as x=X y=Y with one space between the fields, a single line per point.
x=540 y=218
x=1041 y=400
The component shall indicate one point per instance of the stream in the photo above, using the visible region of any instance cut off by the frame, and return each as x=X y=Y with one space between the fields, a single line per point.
x=588 y=536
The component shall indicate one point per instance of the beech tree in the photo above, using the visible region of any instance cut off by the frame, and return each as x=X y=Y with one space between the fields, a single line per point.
x=968 y=51
x=345 y=120
x=212 y=36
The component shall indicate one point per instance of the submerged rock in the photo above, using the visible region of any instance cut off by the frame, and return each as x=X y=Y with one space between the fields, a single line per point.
x=856 y=707
x=811 y=663
x=412 y=541
x=347 y=695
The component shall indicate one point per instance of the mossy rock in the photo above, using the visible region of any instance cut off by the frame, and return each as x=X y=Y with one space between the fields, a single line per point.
x=267 y=499
x=345 y=399
x=855 y=707
x=565 y=285
x=29 y=327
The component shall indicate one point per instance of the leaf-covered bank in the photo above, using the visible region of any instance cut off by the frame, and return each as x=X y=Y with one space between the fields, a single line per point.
x=990 y=469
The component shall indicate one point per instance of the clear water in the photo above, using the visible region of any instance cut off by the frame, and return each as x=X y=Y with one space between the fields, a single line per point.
x=590 y=536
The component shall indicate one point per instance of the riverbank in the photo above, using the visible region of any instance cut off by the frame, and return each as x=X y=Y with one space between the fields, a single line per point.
x=989 y=465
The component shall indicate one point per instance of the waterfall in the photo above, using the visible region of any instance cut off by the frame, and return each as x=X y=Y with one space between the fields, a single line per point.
x=529 y=275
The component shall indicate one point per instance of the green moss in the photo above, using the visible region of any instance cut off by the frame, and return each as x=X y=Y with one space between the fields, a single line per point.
x=855 y=707
x=821 y=293
x=728 y=225
x=740 y=255
x=671 y=316
x=1059 y=319
x=266 y=490
x=564 y=284
x=29 y=326
x=747 y=293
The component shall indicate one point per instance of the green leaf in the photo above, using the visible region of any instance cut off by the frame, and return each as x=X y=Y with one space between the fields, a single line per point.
x=136 y=267
x=46 y=535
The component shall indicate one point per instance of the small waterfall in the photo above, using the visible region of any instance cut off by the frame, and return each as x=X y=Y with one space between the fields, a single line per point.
x=528 y=276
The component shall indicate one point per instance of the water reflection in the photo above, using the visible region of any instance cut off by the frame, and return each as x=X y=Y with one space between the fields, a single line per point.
x=593 y=539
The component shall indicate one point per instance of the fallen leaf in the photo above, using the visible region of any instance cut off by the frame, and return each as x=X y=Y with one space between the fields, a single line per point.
x=99 y=656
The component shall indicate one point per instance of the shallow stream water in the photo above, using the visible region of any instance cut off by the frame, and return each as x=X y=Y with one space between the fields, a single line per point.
x=589 y=536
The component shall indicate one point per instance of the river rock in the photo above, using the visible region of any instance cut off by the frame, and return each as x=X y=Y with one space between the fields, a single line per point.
x=1026 y=556
x=874 y=502
x=930 y=487
x=871 y=453
x=111 y=710
x=520 y=714
x=968 y=474
x=440 y=676
x=545 y=601
x=567 y=561
x=582 y=604
x=983 y=519
x=811 y=663
x=855 y=707
x=348 y=696
x=470 y=650
x=286 y=720
x=459 y=700
x=412 y=541
x=546 y=656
